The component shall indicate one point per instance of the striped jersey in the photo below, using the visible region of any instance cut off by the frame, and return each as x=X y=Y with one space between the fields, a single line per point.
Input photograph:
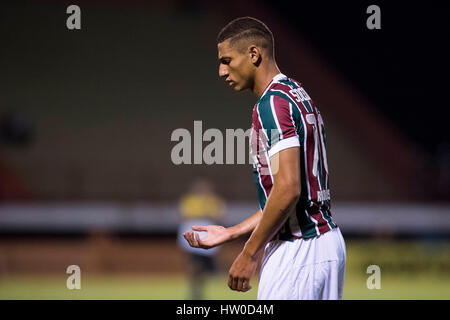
x=285 y=117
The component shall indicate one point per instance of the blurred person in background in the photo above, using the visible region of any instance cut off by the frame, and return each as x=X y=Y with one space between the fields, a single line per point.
x=199 y=206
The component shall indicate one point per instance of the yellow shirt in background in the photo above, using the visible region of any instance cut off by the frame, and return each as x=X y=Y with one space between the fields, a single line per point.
x=195 y=206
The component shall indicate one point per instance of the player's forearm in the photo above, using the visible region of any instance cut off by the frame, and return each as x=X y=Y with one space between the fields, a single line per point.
x=246 y=226
x=281 y=202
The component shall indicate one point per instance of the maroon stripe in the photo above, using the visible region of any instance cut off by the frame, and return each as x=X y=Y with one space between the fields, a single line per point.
x=284 y=117
x=322 y=224
x=266 y=179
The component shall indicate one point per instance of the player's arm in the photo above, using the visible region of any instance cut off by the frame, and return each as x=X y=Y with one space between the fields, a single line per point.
x=281 y=201
x=217 y=235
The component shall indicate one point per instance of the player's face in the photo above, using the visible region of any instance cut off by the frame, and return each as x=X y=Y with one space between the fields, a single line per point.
x=235 y=67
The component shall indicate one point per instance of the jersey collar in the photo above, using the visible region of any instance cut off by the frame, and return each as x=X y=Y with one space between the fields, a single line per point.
x=277 y=78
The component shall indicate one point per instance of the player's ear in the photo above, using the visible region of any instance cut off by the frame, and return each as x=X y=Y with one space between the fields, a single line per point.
x=255 y=55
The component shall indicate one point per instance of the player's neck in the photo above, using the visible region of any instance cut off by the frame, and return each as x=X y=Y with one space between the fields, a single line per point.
x=264 y=76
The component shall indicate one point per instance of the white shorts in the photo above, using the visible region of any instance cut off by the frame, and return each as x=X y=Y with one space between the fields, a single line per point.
x=312 y=269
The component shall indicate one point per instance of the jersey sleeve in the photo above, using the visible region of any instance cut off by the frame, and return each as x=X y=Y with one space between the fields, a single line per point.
x=277 y=122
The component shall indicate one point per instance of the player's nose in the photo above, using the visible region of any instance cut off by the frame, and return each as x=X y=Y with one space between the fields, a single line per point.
x=223 y=71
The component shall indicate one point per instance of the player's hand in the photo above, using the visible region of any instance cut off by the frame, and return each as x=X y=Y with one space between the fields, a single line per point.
x=215 y=235
x=241 y=272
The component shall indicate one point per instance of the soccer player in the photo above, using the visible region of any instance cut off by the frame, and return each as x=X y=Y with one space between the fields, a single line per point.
x=303 y=249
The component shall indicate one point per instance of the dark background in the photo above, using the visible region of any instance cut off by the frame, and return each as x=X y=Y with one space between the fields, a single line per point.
x=83 y=110
x=86 y=117
x=402 y=67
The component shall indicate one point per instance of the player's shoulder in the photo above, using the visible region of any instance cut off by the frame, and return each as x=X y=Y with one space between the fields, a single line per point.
x=290 y=90
x=282 y=88
x=280 y=94
x=272 y=99
x=286 y=84
x=277 y=96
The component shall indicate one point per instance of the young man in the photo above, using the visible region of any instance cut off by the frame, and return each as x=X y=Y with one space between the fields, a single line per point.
x=303 y=249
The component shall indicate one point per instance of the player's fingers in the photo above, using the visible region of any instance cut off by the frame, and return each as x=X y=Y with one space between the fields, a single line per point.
x=199 y=228
x=186 y=236
x=190 y=238
x=194 y=241
x=240 y=284
x=233 y=282
x=246 y=285
x=230 y=282
x=243 y=285
x=197 y=239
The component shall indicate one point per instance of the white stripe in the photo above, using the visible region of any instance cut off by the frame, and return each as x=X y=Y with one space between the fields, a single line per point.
x=281 y=91
x=284 y=144
x=268 y=166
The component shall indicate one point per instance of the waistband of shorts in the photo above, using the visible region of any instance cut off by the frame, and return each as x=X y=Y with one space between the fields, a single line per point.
x=289 y=238
x=293 y=237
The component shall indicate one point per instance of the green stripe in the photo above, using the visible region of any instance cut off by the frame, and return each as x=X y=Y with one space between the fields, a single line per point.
x=326 y=208
x=307 y=106
x=327 y=218
x=289 y=83
x=261 y=194
x=310 y=231
x=307 y=226
x=268 y=121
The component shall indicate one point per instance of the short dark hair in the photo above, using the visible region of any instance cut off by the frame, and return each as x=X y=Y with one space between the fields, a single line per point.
x=248 y=28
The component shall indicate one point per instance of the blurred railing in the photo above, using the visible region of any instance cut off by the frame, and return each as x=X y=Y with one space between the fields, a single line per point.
x=359 y=218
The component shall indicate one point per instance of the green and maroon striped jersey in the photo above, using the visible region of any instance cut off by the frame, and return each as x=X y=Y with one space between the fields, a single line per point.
x=285 y=117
